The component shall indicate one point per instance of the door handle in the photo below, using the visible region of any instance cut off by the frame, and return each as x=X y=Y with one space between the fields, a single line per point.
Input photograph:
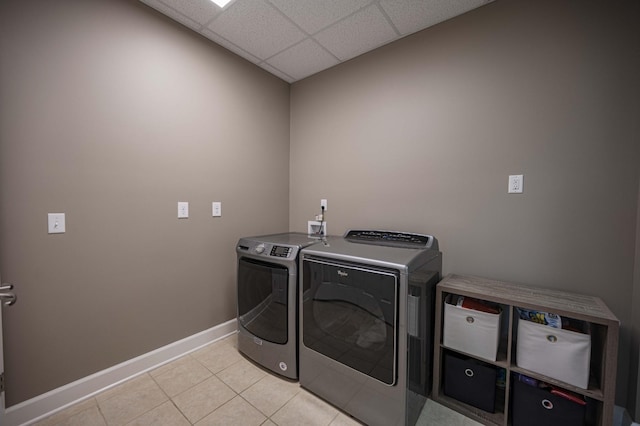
x=7 y=297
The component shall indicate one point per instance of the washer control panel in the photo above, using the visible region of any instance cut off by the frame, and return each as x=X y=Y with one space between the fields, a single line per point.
x=279 y=248
x=280 y=251
x=271 y=250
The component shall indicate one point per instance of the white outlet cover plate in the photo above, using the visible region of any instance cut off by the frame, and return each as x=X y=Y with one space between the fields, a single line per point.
x=56 y=223
x=515 y=184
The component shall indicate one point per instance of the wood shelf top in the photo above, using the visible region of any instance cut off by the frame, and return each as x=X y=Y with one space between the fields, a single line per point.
x=580 y=306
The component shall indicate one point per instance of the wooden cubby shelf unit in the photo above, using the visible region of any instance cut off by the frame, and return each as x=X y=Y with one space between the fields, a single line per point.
x=604 y=330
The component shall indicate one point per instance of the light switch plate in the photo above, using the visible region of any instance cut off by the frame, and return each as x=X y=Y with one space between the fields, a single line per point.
x=183 y=209
x=216 y=209
x=56 y=223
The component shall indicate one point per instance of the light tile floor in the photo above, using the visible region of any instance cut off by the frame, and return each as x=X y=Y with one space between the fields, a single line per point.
x=216 y=385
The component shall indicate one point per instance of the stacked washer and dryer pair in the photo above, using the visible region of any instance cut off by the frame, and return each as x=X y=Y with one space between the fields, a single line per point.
x=350 y=317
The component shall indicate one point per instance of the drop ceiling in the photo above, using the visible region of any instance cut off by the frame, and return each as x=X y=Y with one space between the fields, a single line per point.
x=294 y=39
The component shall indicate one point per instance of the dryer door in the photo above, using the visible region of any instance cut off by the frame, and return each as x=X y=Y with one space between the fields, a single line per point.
x=350 y=315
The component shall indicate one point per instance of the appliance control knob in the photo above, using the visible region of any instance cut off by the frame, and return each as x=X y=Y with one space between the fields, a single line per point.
x=260 y=248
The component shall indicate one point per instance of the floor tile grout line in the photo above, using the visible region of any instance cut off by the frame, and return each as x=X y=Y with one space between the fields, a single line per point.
x=169 y=399
x=282 y=407
x=151 y=409
x=180 y=411
x=104 y=418
x=213 y=374
x=168 y=396
x=260 y=411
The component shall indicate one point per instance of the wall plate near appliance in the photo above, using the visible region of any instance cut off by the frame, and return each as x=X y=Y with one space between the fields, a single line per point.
x=316 y=228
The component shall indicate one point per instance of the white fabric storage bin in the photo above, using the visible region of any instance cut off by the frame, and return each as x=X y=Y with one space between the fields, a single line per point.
x=473 y=332
x=560 y=354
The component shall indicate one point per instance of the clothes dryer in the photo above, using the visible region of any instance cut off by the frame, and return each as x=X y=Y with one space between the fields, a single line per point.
x=366 y=323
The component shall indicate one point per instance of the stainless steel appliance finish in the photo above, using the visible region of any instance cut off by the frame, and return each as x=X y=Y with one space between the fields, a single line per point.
x=366 y=306
x=268 y=299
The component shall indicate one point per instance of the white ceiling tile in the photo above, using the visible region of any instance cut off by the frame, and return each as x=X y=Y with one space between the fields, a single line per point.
x=303 y=59
x=410 y=16
x=357 y=34
x=272 y=33
x=257 y=28
x=173 y=14
x=314 y=15
x=201 y=11
x=230 y=46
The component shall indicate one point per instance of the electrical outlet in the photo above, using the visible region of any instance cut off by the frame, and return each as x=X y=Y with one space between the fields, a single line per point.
x=515 y=184
x=323 y=203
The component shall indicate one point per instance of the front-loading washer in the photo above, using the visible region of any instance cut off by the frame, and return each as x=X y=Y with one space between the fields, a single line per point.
x=267 y=290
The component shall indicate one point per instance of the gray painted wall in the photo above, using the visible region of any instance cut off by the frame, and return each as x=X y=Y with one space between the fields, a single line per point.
x=421 y=136
x=112 y=114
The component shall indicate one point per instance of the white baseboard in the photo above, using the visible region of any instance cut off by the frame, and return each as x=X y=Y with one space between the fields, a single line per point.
x=44 y=405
